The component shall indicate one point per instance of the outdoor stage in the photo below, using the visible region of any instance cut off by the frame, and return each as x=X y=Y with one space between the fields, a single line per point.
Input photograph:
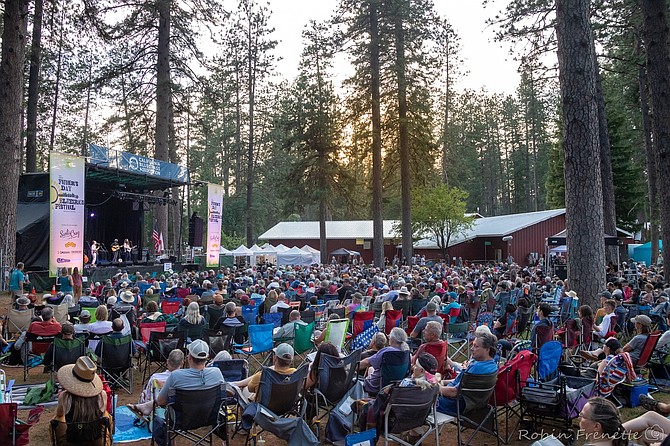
x=121 y=191
x=43 y=283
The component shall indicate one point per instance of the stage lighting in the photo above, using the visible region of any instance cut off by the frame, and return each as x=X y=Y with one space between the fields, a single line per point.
x=92 y=214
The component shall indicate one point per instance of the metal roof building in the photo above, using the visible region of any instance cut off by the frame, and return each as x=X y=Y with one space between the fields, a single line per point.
x=483 y=242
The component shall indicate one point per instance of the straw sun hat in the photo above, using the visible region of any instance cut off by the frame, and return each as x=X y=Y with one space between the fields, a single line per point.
x=80 y=378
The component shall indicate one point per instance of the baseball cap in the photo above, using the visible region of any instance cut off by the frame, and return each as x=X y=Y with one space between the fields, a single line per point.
x=431 y=307
x=606 y=294
x=642 y=319
x=198 y=349
x=428 y=363
x=284 y=351
x=85 y=314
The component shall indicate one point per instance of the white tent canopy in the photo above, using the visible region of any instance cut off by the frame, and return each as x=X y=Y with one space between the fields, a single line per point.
x=225 y=252
x=281 y=248
x=316 y=254
x=294 y=256
x=243 y=251
x=559 y=249
x=257 y=250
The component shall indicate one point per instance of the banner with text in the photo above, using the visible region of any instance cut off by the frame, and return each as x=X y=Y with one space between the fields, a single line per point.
x=66 y=247
x=214 y=207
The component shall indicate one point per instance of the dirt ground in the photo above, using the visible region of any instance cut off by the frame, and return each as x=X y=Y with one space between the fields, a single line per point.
x=39 y=434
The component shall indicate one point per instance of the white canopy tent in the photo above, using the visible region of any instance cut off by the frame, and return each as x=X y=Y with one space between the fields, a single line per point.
x=225 y=252
x=281 y=248
x=242 y=251
x=294 y=256
x=316 y=254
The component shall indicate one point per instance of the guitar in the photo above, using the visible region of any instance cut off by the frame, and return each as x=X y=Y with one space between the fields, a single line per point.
x=116 y=248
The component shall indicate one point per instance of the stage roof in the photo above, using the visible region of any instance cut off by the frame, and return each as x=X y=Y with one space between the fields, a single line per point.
x=133 y=171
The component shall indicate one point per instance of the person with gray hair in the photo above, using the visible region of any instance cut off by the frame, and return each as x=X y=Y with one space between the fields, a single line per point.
x=397 y=342
x=175 y=361
x=431 y=336
x=287 y=331
x=482 y=363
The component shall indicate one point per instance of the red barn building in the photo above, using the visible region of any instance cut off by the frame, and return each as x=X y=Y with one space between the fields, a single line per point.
x=484 y=241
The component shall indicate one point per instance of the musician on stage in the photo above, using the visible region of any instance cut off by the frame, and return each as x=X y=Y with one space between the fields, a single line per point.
x=94 y=253
x=115 y=249
x=127 y=248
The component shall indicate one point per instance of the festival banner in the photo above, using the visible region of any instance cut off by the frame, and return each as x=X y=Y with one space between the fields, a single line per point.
x=66 y=247
x=214 y=207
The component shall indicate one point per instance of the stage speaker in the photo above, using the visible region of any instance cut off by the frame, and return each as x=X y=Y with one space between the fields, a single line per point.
x=195 y=226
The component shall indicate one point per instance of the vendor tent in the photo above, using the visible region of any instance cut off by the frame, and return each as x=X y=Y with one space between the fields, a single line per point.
x=243 y=251
x=224 y=252
x=344 y=252
x=281 y=248
x=643 y=252
x=558 y=249
x=316 y=254
x=294 y=256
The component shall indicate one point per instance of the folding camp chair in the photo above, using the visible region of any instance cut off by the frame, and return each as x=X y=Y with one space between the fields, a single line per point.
x=250 y=314
x=376 y=307
x=158 y=349
x=285 y=314
x=219 y=340
x=456 y=335
x=60 y=312
x=260 y=338
x=614 y=373
x=14 y=432
x=548 y=358
x=32 y=350
x=439 y=351
x=404 y=306
x=273 y=318
x=147 y=327
x=340 y=312
x=511 y=377
x=362 y=320
x=190 y=410
x=279 y=397
x=335 y=377
x=98 y=432
x=524 y=323
x=66 y=351
x=336 y=332
x=393 y=319
x=646 y=355
x=212 y=314
x=394 y=367
x=302 y=339
x=409 y=408
x=411 y=323
x=18 y=321
x=478 y=414
x=417 y=305
x=170 y=306
x=116 y=361
x=233 y=370
x=308 y=316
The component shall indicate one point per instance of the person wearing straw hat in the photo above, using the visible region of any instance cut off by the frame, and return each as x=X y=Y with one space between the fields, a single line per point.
x=83 y=399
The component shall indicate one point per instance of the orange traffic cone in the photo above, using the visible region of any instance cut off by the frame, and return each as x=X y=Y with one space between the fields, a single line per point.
x=53 y=289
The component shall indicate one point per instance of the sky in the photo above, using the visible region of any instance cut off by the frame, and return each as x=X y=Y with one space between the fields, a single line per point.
x=488 y=63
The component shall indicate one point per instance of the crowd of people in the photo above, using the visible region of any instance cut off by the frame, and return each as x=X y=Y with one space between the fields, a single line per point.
x=495 y=300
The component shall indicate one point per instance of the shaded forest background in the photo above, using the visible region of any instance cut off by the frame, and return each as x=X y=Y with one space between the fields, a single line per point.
x=289 y=149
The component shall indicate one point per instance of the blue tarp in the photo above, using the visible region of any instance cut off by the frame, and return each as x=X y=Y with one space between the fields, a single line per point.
x=643 y=252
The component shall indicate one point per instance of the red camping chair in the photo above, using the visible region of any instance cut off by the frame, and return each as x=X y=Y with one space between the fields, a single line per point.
x=13 y=431
x=393 y=319
x=170 y=306
x=147 y=327
x=445 y=321
x=411 y=323
x=362 y=321
x=511 y=377
x=439 y=351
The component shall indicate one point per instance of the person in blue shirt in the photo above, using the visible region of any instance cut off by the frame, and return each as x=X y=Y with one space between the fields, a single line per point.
x=452 y=304
x=16 y=281
x=482 y=363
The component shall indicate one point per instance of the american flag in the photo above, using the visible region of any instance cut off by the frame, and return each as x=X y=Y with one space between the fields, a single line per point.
x=157 y=238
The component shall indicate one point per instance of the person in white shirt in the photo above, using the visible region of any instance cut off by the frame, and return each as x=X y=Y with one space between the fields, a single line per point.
x=606 y=326
x=281 y=303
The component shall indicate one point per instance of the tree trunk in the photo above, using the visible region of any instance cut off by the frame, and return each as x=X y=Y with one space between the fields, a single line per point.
x=33 y=89
x=658 y=71
x=403 y=136
x=650 y=156
x=584 y=208
x=89 y=87
x=163 y=93
x=445 y=128
x=59 y=70
x=250 y=150
x=609 y=206
x=15 y=23
x=377 y=191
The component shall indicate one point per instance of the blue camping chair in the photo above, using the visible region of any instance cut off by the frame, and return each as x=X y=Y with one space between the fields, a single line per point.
x=250 y=314
x=260 y=339
x=548 y=359
x=273 y=318
x=143 y=288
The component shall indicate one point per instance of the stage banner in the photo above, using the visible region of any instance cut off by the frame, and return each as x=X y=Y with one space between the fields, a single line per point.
x=66 y=247
x=214 y=207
